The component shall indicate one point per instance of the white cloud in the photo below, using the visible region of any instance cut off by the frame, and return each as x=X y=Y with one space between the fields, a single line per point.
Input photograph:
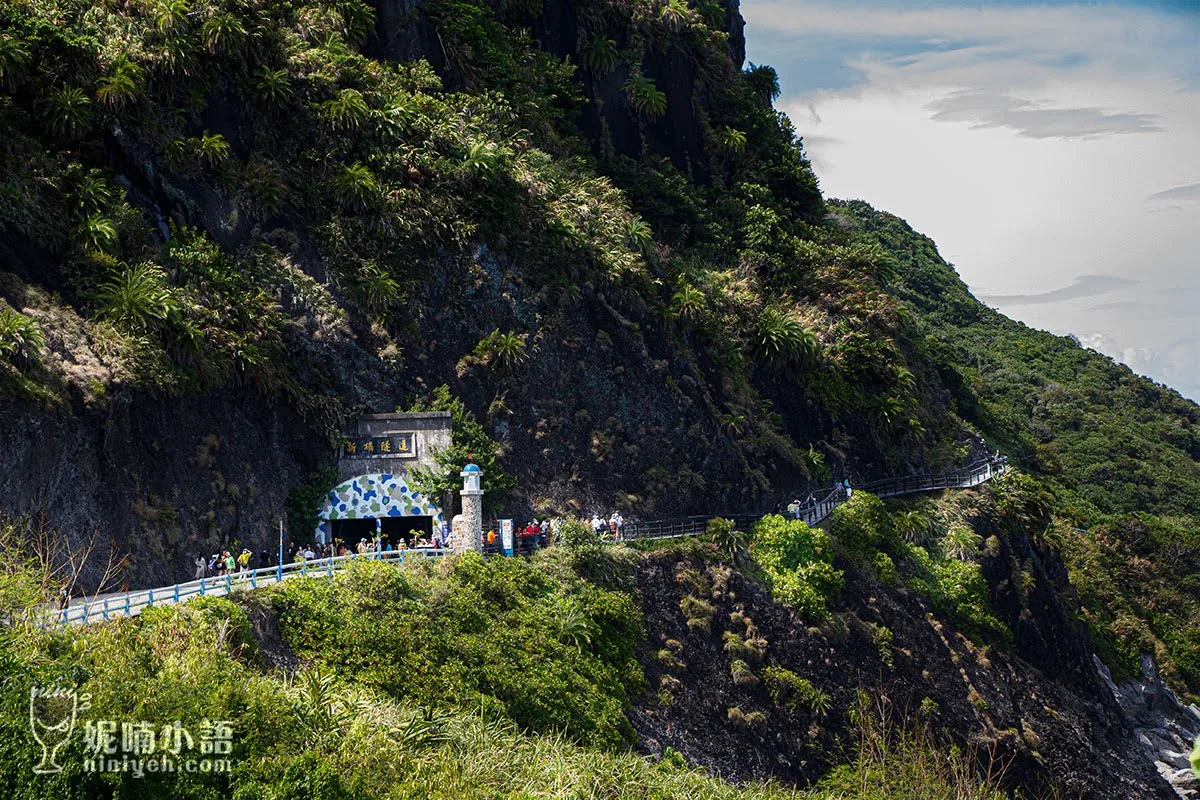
x=1036 y=145
x=1037 y=120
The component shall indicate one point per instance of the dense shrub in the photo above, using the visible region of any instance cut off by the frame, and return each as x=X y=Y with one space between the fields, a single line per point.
x=476 y=632
x=798 y=563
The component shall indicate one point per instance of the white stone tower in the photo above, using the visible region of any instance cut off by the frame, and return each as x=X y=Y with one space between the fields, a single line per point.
x=469 y=533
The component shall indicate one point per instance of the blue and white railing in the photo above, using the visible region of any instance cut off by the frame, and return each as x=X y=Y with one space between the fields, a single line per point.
x=129 y=604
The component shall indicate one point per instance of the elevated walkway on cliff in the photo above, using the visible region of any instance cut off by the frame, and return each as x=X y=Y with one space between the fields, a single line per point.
x=127 y=604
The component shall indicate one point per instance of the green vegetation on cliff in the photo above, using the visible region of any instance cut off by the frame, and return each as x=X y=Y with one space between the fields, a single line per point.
x=459 y=679
x=1119 y=454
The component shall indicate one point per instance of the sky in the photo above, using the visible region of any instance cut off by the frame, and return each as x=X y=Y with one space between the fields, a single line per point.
x=1052 y=150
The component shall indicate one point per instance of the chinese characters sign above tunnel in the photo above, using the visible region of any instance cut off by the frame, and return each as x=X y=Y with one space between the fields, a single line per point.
x=396 y=445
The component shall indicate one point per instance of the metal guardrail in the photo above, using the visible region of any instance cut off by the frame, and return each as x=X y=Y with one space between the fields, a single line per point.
x=129 y=604
x=819 y=509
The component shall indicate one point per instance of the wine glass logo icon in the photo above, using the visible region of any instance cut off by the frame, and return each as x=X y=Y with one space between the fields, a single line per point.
x=52 y=714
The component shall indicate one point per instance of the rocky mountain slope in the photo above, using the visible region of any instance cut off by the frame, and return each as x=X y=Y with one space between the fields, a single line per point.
x=227 y=227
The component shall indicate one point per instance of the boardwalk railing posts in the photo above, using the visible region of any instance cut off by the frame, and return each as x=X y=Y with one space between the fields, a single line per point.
x=150 y=602
x=177 y=593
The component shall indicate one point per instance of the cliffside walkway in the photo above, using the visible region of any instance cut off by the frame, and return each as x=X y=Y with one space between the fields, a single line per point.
x=128 y=604
x=817 y=510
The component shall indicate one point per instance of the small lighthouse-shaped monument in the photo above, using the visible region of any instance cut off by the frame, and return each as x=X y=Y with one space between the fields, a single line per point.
x=468 y=526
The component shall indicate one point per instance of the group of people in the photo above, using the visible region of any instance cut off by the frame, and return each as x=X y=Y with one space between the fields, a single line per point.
x=224 y=563
x=614 y=526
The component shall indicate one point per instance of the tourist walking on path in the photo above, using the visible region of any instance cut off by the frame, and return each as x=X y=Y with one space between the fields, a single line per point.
x=201 y=568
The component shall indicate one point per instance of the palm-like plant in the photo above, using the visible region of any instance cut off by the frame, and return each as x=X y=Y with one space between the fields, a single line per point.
x=121 y=84
x=688 y=302
x=674 y=14
x=14 y=60
x=780 y=339
x=733 y=424
x=914 y=526
x=764 y=81
x=377 y=289
x=347 y=111
x=355 y=186
x=962 y=543
x=572 y=626
x=503 y=352
x=169 y=14
x=728 y=539
x=93 y=192
x=272 y=87
x=732 y=140
x=482 y=157
x=137 y=298
x=98 y=232
x=223 y=33
x=599 y=55
x=21 y=340
x=324 y=713
x=212 y=149
x=645 y=97
x=67 y=111
x=638 y=233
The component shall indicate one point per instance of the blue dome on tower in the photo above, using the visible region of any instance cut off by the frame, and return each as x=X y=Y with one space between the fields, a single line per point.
x=471 y=468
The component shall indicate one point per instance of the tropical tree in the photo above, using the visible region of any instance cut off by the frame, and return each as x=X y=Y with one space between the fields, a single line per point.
x=377 y=289
x=98 y=232
x=272 y=87
x=729 y=540
x=21 y=339
x=780 y=339
x=638 y=233
x=962 y=543
x=688 y=303
x=137 y=298
x=502 y=352
x=169 y=14
x=645 y=97
x=348 y=111
x=764 y=81
x=223 y=33
x=599 y=55
x=121 y=84
x=674 y=14
x=732 y=140
x=573 y=626
x=914 y=526
x=14 y=60
x=355 y=186
x=212 y=148
x=67 y=111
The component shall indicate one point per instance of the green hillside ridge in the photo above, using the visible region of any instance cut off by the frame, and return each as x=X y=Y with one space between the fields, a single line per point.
x=583 y=228
x=1120 y=454
x=465 y=678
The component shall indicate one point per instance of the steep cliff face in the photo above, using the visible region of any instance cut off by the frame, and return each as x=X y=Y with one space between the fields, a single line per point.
x=410 y=29
x=1036 y=713
x=294 y=295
